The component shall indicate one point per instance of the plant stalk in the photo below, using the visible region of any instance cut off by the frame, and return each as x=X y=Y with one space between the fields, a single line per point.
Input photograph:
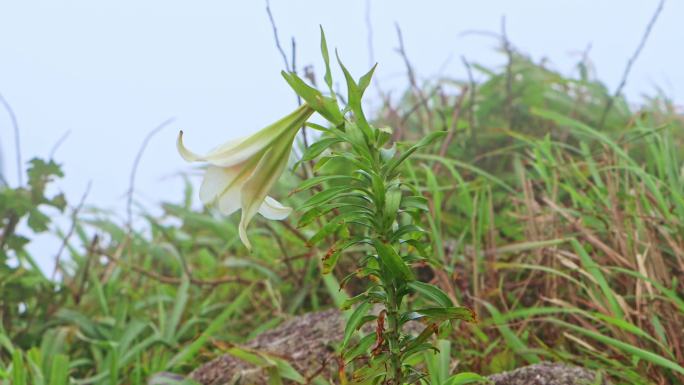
x=396 y=373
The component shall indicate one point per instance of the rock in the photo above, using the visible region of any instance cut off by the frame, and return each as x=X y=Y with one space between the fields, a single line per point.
x=165 y=378
x=546 y=373
x=307 y=343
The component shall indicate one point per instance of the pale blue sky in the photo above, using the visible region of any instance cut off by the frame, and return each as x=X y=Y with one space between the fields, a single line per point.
x=110 y=71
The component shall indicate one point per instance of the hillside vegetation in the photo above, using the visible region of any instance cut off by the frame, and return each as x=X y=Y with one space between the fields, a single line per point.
x=555 y=212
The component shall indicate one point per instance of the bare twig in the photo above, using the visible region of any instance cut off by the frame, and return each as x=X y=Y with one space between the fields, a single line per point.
x=17 y=139
x=585 y=57
x=10 y=226
x=294 y=69
x=471 y=104
x=134 y=169
x=402 y=52
x=174 y=280
x=275 y=36
x=308 y=254
x=305 y=137
x=294 y=231
x=413 y=82
x=72 y=228
x=479 y=32
x=509 y=74
x=371 y=49
x=310 y=75
x=455 y=115
x=293 y=46
x=283 y=249
x=290 y=67
x=415 y=107
x=58 y=143
x=90 y=253
x=630 y=63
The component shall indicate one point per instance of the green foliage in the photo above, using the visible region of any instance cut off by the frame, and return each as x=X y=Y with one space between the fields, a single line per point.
x=127 y=304
x=23 y=288
x=564 y=236
x=365 y=206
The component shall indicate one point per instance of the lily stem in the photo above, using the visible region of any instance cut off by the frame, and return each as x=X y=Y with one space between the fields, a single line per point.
x=393 y=332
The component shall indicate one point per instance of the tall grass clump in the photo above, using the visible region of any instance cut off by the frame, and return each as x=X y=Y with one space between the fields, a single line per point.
x=567 y=233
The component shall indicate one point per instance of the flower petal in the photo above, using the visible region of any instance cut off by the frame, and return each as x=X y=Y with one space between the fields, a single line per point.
x=270 y=167
x=272 y=209
x=229 y=202
x=265 y=175
x=239 y=150
x=185 y=153
x=224 y=184
x=236 y=151
x=216 y=181
x=242 y=171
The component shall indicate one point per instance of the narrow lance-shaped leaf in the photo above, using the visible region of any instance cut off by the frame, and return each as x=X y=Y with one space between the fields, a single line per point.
x=339 y=220
x=354 y=321
x=365 y=80
x=311 y=182
x=318 y=147
x=392 y=202
x=333 y=254
x=392 y=261
x=625 y=347
x=324 y=105
x=326 y=58
x=361 y=348
x=466 y=378
x=512 y=340
x=324 y=196
x=423 y=336
x=595 y=271
x=422 y=143
x=354 y=94
x=432 y=293
x=19 y=374
x=59 y=374
x=414 y=202
x=438 y=314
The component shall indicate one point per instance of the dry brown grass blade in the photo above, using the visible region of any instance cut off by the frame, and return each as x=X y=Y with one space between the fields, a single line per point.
x=455 y=115
x=588 y=236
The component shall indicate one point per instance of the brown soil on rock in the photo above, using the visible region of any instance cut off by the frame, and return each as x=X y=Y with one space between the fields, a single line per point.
x=546 y=373
x=307 y=343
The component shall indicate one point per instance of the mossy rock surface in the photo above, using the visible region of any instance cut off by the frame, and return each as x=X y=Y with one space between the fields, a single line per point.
x=547 y=373
x=307 y=343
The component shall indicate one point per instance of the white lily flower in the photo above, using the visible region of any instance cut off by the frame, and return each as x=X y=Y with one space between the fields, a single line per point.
x=242 y=171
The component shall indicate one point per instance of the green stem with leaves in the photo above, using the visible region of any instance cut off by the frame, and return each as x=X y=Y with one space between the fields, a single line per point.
x=396 y=373
x=368 y=205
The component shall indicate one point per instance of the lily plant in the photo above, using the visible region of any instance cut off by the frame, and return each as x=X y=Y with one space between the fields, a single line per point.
x=362 y=206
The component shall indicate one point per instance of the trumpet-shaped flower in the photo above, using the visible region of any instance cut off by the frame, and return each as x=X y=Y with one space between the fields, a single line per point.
x=241 y=172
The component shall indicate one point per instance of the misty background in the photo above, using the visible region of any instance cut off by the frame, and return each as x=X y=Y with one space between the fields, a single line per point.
x=107 y=73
